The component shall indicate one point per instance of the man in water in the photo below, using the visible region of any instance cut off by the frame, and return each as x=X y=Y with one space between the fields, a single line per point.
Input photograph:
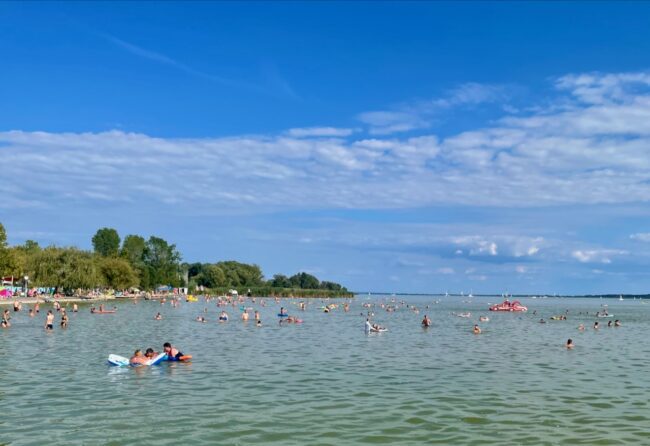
x=244 y=315
x=569 y=344
x=223 y=317
x=150 y=354
x=369 y=326
x=426 y=322
x=596 y=326
x=158 y=317
x=617 y=323
x=49 y=320
x=172 y=352
x=477 y=330
x=283 y=312
x=138 y=358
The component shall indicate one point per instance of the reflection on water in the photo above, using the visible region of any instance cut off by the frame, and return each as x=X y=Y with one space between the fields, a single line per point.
x=326 y=382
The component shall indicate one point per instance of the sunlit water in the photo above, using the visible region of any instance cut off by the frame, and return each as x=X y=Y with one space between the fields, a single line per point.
x=327 y=382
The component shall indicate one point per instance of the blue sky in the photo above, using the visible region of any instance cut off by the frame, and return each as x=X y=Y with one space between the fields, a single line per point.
x=415 y=147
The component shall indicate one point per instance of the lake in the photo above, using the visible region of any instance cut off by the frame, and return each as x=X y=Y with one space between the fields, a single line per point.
x=326 y=382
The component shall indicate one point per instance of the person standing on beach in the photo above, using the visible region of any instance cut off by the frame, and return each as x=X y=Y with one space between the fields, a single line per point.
x=49 y=320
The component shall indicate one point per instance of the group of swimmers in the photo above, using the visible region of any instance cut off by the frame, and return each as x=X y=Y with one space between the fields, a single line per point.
x=49 y=318
x=139 y=358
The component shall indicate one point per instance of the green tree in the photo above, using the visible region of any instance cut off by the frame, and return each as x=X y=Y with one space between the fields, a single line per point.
x=305 y=281
x=117 y=273
x=9 y=262
x=212 y=276
x=280 y=281
x=133 y=248
x=3 y=237
x=106 y=242
x=65 y=268
x=162 y=262
x=241 y=274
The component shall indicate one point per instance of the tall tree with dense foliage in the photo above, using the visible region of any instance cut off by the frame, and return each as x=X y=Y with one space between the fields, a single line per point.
x=304 y=281
x=162 y=262
x=64 y=268
x=117 y=273
x=106 y=242
x=10 y=261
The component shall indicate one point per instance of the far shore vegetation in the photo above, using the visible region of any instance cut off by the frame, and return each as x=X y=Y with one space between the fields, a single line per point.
x=145 y=264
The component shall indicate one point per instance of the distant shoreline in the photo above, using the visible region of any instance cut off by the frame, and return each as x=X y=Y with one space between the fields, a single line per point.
x=513 y=296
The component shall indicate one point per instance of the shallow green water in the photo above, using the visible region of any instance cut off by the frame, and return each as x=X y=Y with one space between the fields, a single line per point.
x=326 y=382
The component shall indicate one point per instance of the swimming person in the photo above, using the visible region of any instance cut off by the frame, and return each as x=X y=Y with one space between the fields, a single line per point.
x=64 y=319
x=596 y=326
x=138 y=358
x=49 y=320
x=581 y=327
x=283 y=312
x=172 y=352
x=569 y=344
x=158 y=317
x=617 y=323
x=150 y=354
x=609 y=324
x=369 y=326
x=477 y=329
x=426 y=322
x=223 y=317
x=244 y=315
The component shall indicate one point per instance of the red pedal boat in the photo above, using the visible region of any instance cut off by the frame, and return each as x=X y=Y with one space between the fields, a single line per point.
x=506 y=305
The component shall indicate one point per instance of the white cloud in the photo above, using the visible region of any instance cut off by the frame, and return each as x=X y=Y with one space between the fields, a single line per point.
x=445 y=271
x=597 y=255
x=418 y=115
x=641 y=236
x=320 y=131
x=387 y=122
x=591 y=151
x=521 y=269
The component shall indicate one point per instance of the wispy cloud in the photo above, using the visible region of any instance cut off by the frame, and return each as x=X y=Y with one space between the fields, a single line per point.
x=419 y=114
x=320 y=131
x=597 y=255
x=641 y=236
x=276 y=83
x=591 y=153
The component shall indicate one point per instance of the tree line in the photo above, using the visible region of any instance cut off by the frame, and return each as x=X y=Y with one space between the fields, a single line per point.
x=136 y=262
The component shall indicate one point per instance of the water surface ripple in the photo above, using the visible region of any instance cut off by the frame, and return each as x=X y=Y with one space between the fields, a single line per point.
x=325 y=382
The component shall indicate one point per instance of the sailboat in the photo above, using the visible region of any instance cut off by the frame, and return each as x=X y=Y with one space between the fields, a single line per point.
x=620 y=297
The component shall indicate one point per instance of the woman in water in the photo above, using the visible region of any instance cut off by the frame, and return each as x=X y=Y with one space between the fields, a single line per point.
x=596 y=326
x=477 y=329
x=138 y=358
x=223 y=317
x=569 y=344
x=158 y=317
